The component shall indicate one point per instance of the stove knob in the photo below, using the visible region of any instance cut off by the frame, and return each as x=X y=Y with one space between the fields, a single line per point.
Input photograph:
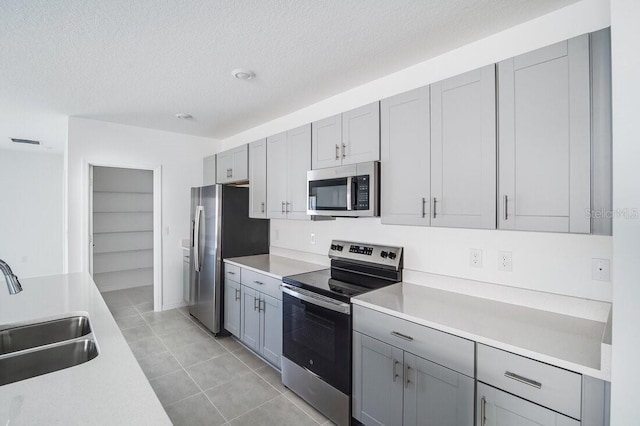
x=333 y=247
x=392 y=255
x=383 y=254
x=339 y=248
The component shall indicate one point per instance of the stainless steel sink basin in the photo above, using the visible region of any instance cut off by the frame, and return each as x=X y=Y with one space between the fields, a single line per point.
x=43 y=333
x=20 y=366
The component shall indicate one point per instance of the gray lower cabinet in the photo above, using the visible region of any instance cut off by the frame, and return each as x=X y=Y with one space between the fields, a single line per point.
x=185 y=274
x=250 y=319
x=396 y=387
x=260 y=316
x=544 y=127
x=496 y=408
x=232 y=307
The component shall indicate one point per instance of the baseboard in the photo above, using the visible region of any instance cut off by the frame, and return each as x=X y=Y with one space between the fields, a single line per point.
x=103 y=288
x=174 y=305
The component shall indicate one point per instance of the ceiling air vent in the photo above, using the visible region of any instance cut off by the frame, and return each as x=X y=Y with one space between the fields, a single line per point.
x=28 y=141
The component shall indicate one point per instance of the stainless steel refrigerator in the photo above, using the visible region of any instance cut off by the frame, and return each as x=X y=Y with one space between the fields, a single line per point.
x=220 y=228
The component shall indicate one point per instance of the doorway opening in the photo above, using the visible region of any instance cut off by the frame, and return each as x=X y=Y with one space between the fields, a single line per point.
x=121 y=234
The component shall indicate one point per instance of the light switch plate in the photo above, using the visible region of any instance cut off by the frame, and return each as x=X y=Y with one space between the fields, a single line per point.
x=601 y=269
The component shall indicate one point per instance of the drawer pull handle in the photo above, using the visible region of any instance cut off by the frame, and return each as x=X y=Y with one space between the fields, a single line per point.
x=518 y=378
x=259 y=282
x=231 y=273
x=395 y=375
x=402 y=336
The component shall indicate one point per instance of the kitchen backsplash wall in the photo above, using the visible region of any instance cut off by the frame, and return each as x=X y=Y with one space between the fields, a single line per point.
x=549 y=262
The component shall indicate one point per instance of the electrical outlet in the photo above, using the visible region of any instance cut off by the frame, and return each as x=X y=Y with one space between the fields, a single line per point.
x=313 y=239
x=505 y=261
x=601 y=269
x=475 y=258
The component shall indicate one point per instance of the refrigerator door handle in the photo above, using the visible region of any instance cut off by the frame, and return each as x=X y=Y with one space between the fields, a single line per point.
x=196 y=239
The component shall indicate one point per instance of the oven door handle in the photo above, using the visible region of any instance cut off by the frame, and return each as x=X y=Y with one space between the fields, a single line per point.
x=341 y=307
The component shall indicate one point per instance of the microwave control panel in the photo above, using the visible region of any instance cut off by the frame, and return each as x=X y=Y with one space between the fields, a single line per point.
x=362 y=196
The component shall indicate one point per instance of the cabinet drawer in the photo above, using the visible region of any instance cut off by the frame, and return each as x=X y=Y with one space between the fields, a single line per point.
x=232 y=272
x=263 y=283
x=541 y=383
x=442 y=348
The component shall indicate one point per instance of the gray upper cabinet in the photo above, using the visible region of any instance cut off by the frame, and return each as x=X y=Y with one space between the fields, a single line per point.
x=405 y=158
x=544 y=139
x=209 y=170
x=361 y=134
x=258 y=179
x=463 y=150
x=233 y=165
x=348 y=138
x=326 y=142
x=288 y=160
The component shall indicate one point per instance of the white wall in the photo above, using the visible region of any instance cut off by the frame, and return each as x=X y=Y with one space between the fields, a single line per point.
x=31 y=212
x=556 y=263
x=625 y=34
x=108 y=144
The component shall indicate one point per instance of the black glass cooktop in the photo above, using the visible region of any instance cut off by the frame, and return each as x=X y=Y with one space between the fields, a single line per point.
x=327 y=282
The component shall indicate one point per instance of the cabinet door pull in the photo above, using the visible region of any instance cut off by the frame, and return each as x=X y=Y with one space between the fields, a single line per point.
x=434 y=207
x=256 y=304
x=261 y=305
x=424 y=207
x=521 y=379
x=344 y=150
x=282 y=207
x=406 y=375
x=262 y=207
x=337 y=152
x=395 y=375
x=402 y=336
x=237 y=294
x=259 y=282
x=286 y=209
x=504 y=207
x=483 y=411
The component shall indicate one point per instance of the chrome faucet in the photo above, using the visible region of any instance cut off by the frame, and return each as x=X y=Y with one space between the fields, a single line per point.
x=13 y=284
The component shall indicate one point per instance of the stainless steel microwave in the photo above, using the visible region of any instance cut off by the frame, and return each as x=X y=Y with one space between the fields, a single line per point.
x=350 y=191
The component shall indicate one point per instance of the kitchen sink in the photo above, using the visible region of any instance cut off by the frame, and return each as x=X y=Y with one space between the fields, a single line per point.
x=43 y=333
x=27 y=364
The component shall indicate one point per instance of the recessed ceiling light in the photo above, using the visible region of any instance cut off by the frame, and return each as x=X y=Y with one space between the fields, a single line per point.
x=242 y=74
x=183 y=116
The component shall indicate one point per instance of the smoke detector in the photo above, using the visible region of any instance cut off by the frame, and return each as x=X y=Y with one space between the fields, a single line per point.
x=27 y=141
x=242 y=74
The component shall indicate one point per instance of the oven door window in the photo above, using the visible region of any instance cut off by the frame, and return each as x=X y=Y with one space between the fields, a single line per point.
x=328 y=194
x=319 y=340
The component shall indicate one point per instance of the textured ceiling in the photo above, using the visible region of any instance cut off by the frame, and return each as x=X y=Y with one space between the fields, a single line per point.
x=139 y=62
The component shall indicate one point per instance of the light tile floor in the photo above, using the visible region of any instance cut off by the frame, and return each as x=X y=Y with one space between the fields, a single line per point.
x=199 y=379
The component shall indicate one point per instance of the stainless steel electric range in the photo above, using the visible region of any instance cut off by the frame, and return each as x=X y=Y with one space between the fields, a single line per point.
x=316 y=346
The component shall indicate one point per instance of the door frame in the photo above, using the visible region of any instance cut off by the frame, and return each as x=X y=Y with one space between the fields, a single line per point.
x=87 y=220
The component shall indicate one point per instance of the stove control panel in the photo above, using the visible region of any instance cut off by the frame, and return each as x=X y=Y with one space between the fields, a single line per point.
x=371 y=253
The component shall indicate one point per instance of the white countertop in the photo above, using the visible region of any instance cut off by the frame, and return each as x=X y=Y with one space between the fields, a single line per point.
x=274 y=266
x=110 y=389
x=565 y=341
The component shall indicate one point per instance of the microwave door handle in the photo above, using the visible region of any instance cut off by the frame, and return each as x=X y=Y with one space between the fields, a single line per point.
x=349 y=193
